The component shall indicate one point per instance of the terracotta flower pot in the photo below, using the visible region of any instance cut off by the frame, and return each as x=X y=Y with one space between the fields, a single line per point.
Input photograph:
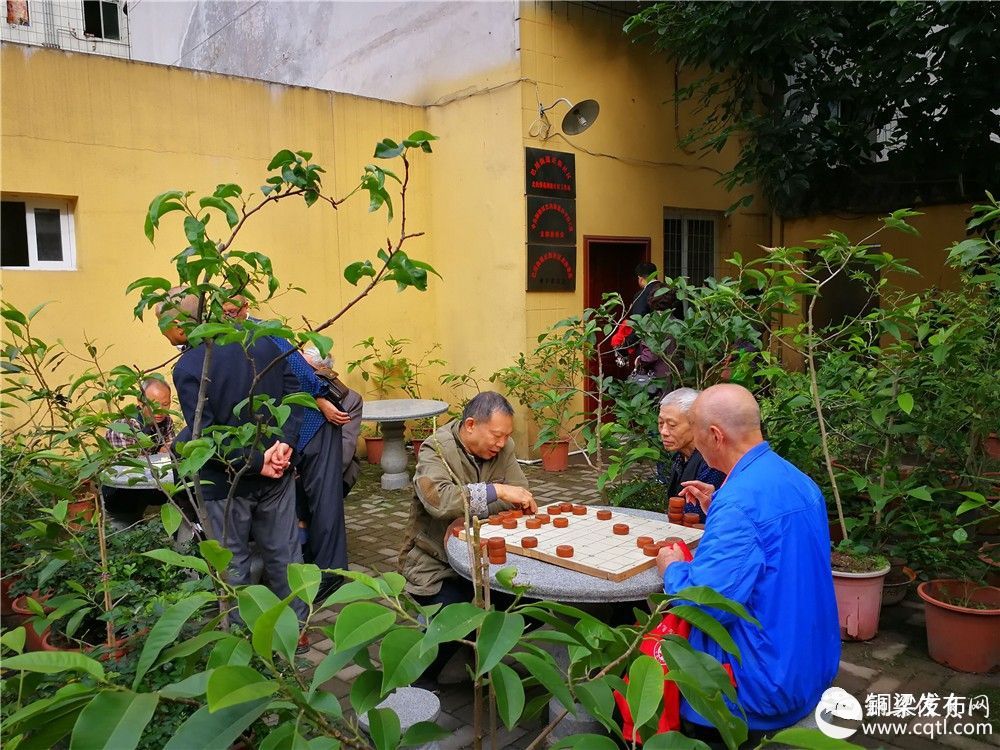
x=555 y=455
x=373 y=449
x=896 y=584
x=963 y=638
x=992 y=445
x=6 y=601
x=859 y=599
x=33 y=641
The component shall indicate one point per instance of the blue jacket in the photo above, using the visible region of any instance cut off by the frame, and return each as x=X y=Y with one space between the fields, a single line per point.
x=767 y=546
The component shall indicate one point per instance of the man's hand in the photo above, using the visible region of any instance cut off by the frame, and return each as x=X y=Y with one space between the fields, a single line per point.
x=667 y=556
x=699 y=492
x=276 y=459
x=332 y=413
x=514 y=495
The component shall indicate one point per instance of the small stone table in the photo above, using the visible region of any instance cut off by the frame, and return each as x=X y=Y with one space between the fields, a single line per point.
x=154 y=467
x=411 y=705
x=392 y=414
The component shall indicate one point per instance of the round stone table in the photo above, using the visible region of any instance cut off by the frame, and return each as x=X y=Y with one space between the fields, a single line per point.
x=154 y=467
x=548 y=581
x=391 y=414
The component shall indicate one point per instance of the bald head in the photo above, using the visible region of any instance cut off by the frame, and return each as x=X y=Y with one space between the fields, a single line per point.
x=730 y=407
x=155 y=402
x=726 y=422
x=178 y=305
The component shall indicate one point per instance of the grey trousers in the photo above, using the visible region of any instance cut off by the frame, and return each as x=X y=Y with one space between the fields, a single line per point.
x=320 y=491
x=267 y=516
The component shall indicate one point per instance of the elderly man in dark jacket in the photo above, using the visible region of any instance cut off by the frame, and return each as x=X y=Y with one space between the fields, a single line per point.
x=263 y=503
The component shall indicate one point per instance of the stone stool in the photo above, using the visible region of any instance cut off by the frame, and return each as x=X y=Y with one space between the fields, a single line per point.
x=411 y=705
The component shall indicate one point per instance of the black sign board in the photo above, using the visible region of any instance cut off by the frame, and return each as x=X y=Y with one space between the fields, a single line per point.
x=551 y=221
x=549 y=173
x=551 y=268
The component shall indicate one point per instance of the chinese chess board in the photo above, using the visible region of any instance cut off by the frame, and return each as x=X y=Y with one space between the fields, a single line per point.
x=597 y=550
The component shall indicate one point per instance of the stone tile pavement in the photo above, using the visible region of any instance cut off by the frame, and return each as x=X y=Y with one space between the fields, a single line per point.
x=895 y=661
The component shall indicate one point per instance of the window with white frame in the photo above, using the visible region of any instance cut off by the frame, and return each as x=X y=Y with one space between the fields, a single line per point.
x=689 y=242
x=36 y=234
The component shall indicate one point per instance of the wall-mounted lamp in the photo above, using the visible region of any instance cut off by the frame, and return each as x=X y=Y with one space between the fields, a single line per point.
x=580 y=117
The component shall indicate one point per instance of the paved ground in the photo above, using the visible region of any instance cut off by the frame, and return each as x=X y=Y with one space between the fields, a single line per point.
x=895 y=661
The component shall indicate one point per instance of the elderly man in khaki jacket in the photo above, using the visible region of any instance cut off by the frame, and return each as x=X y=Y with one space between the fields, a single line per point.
x=483 y=468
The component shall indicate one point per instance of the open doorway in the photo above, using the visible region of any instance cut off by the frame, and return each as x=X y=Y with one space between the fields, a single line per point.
x=609 y=266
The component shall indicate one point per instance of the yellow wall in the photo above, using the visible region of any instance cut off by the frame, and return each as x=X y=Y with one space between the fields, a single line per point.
x=112 y=134
x=629 y=164
x=939 y=227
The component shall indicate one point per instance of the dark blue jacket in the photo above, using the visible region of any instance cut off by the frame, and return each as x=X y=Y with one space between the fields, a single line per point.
x=767 y=546
x=230 y=375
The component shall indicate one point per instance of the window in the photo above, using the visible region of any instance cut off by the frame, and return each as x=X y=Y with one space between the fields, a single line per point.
x=689 y=247
x=100 y=19
x=37 y=234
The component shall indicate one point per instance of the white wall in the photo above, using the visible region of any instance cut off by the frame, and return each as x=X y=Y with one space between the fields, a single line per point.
x=414 y=52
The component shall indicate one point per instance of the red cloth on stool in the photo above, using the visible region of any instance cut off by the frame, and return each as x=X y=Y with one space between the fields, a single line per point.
x=670 y=719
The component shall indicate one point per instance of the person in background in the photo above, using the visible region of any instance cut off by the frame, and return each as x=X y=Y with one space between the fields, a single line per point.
x=127 y=504
x=263 y=499
x=348 y=405
x=687 y=466
x=766 y=546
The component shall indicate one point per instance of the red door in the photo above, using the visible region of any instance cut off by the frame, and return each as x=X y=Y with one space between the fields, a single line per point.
x=609 y=266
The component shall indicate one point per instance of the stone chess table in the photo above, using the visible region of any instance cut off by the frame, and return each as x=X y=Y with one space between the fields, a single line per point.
x=154 y=467
x=391 y=414
x=550 y=581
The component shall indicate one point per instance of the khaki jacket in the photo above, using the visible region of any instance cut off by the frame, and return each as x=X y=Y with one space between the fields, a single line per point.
x=438 y=500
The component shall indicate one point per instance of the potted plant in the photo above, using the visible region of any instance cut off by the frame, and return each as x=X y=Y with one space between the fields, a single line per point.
x=858 y=576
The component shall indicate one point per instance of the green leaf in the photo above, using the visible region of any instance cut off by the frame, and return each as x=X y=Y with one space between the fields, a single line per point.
x=360 y=623
x=254 y=601
x=366 y=692
x=216 y=731
x=332 y=663
x=166 y=630
x=210 y=201
x=509 y=694
x=388 y=149
x=423 y=733
x=170 y=517
x=586 y=742
x=500 y=632
x=453 y=622
x=706 y=597
x=599 y=700
x=905 y=401
x=113 y=721
x=215 y=554
x=191 y=646
x=921 y=493
x=304 y=580
x=170 y=557
x=384 y=728
x=645 y=688
x=960 y=535
x=403 y=658
x=355 y=271
x=192 y=687
x=53 y=662
x=14 y=639
x=230 y=650
x=230 y=686
x=809 y=739
x=279 y=621
x=709 y=626
x=351 y=591
x=281 y=159
x=674 y=741
x=545 y=671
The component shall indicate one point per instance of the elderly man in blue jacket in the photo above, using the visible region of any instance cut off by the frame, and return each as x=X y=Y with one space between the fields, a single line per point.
x=767 y=546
